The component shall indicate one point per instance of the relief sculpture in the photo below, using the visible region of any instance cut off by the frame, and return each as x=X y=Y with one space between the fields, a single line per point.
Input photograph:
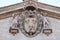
x=30 y=23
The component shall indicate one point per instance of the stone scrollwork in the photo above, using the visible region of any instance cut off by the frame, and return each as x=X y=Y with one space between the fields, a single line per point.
x=47 y=28
x=31 y=23
x=13 y=28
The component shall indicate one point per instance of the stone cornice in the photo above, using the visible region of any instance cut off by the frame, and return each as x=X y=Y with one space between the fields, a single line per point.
x=52 y=11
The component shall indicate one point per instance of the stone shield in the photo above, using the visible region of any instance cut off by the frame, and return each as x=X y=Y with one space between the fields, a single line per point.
x=30 y=23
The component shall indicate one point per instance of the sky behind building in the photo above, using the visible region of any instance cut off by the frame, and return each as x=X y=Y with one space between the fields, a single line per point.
x=10 y=2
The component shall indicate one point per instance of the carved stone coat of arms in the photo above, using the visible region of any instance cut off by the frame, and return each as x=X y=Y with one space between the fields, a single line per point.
x=30 y=23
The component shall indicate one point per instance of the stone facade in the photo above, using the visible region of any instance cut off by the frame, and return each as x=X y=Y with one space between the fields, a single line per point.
x=31 y=17
x=5 y=35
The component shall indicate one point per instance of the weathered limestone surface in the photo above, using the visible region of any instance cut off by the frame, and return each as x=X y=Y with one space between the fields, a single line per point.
x=5 y=22
x=5 y=35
